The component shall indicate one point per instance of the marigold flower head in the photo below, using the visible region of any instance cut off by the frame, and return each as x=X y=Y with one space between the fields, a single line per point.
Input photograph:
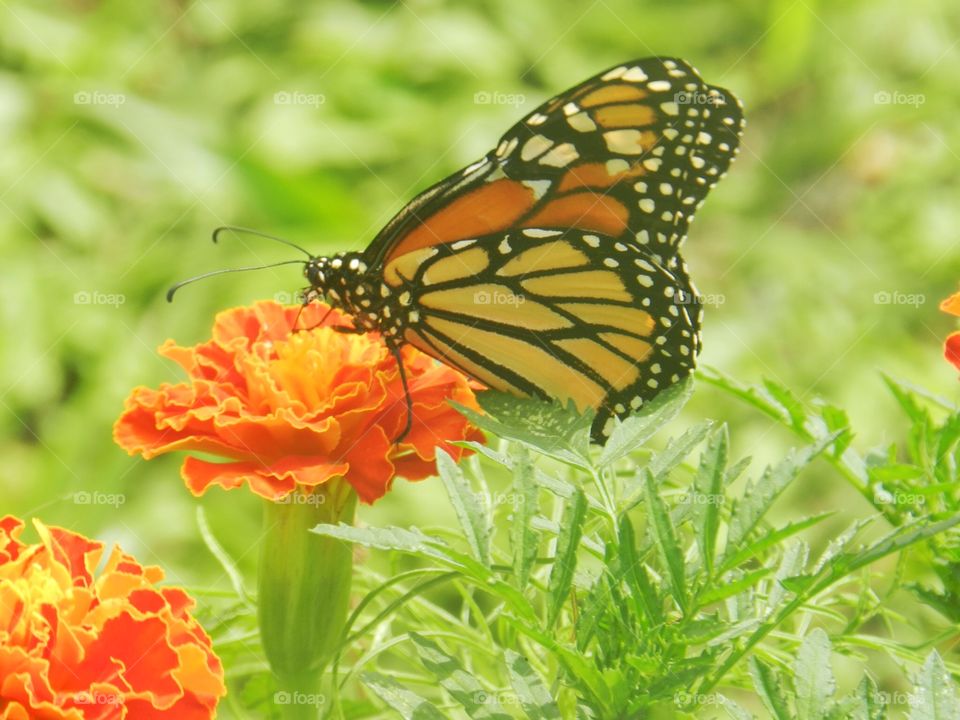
x=76 y=643
x=951 y=347
x=298 y=408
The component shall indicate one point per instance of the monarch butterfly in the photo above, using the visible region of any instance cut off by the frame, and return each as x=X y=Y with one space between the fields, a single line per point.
x=551 y=267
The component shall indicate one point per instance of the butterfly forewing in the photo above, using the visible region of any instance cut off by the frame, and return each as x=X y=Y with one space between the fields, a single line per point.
x=630 y=153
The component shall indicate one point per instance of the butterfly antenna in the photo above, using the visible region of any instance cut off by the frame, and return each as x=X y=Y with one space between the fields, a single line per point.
x=249 y=231
x=212 y=273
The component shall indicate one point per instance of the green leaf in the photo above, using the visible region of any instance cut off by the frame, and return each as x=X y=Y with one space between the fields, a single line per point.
x=867 y=705
x=935 y=695
x=565 y=558
x=767 y=685
x=390 y=538
x=770 y=538
x=721 y=591
x=410 y=705
x=524 y=539
x=558 y=486
x=534 y=697
x=708 y=495
x=813 y=679
x=474 y=522
x=664 y=537
x=635 y=574
x=758 y=498
x=462 y=686
x=223 y=557
x=678 y=449
x=792 y=564
x=733 y=710
x=895 y=541
x=633 y=432
x=558 y=431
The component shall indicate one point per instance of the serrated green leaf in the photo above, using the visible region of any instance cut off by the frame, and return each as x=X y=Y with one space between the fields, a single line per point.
x=895 y=541
x=534 y=697
x=410 y=705
x=677 y=449
x=552 y=429
x=868 y=705
x=391 y=538
x=733 y=710
x=474 y=522
x=790 y=405
x=769 y=539
x=792 y=564
x=708 y=486
x=759 y=497
x=635 y=574
x=633 y=432
x=935 y=694
x=565 y=557
x=462 y=686
x=524 y=539
x=725 y=589
x=812 y=677
x=768 y=687
x=664 y=537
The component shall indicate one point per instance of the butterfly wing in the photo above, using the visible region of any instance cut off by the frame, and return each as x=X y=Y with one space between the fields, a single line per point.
x=551 y=313
x=630 y=154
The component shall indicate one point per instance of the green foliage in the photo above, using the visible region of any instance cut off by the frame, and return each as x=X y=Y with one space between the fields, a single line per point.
x=694 y=597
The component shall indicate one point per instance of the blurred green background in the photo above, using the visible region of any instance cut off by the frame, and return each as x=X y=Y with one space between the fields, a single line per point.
x=130 y=130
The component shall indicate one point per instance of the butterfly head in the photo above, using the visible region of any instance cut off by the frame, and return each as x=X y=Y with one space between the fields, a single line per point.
x=339 y=279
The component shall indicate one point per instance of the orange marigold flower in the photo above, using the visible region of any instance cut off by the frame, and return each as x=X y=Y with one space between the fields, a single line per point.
x=76 y=643
x=951 y=348
x=298 y=408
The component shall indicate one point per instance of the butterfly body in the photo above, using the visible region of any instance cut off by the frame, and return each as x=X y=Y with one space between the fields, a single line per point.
x=551 y=267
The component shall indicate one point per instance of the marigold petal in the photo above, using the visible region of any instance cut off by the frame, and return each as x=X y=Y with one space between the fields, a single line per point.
x=951 y=304
x=951 y=349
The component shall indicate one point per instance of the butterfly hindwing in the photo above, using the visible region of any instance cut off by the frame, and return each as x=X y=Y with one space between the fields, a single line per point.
x=555 y=313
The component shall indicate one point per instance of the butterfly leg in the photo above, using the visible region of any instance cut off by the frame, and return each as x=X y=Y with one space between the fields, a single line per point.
x=395 y=350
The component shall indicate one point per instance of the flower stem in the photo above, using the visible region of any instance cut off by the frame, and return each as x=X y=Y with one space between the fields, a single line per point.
x=304 y=592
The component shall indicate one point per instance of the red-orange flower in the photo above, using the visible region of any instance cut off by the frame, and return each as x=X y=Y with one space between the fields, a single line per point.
x=297 y=408
x=951 y=348
x=77 y=644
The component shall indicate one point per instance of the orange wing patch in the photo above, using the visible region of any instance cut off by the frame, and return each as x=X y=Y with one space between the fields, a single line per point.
x=585 y=211
x=612 y=94
x=489 y=208
x=632 y=115
x=598 y=175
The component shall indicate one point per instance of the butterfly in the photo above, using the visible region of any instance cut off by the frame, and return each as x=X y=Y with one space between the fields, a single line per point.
x=550 y=267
